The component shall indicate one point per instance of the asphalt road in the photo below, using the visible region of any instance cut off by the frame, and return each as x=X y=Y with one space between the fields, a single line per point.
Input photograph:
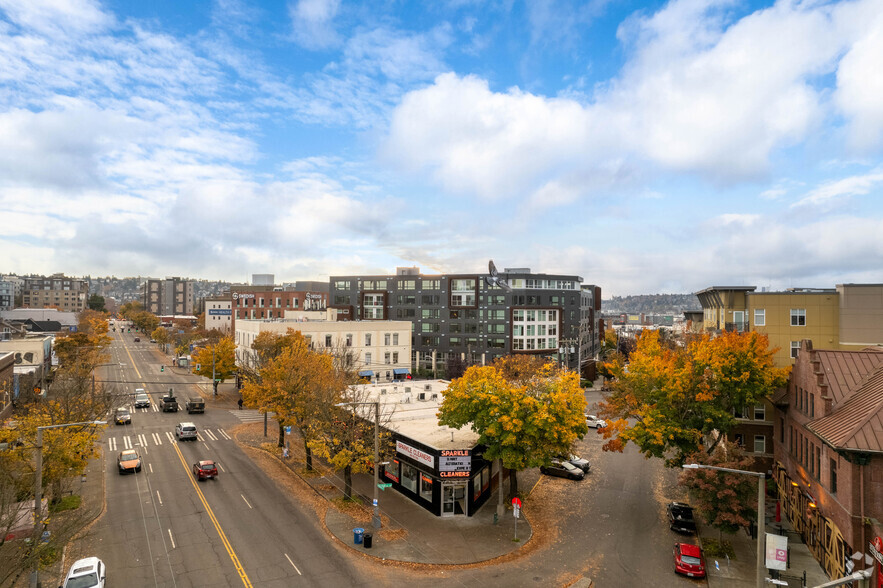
x=163 y=528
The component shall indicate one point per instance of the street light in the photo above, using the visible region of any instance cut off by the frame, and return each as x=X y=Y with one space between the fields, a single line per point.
x=38 y=485
x=761 y=512
x=376 y=519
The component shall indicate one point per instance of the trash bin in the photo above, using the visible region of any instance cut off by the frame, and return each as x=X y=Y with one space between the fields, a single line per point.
x=367 y=539
x=357 y=535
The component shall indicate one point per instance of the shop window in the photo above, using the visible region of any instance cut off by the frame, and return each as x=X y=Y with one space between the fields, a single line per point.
x=410 y=477
x=391 y=470
x=425 y=487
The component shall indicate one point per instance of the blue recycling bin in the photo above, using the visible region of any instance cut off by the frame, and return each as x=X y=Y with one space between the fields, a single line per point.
x=358 y=532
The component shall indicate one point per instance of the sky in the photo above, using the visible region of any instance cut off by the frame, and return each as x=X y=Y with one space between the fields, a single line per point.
x=649 y=147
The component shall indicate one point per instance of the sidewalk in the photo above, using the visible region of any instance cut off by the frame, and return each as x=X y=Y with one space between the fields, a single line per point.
x=740 y=572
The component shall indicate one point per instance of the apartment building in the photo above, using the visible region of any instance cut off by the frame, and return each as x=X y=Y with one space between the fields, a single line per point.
x=170 y=296
x=218 y=313
x=479 y=317
x=258 y=302
x=56 y=291
x=7 y=295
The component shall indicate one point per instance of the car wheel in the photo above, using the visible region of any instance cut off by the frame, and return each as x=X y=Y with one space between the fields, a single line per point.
x=138 y=469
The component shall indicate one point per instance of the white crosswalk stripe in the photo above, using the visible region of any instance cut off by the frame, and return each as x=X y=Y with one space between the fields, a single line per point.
x=224 y=434
x=156 y=438
x=170 y=437
x=249 y=416
x=127 y=442
x=210 y=435
x=142 y=440
x=112 y=444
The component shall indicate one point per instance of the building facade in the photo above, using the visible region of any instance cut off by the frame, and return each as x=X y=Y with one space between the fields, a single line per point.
x=479 y=317
x=171 y=296
x=272 y=302
x=7 y=295
x=218 y=313
x=56 y=291
x=381 y=349
x=829 y=453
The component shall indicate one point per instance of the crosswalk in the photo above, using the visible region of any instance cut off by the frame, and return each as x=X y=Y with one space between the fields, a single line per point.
x=249 y=415
x=145 y=439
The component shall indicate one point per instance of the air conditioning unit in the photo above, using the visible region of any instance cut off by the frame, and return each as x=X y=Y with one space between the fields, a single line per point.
x=421 y=396
x=383 y=390
x=427 y=387
x=434 y=396
x=407 y=389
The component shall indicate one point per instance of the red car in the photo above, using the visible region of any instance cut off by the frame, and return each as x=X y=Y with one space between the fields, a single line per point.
x=204 y=470
x=689 y=560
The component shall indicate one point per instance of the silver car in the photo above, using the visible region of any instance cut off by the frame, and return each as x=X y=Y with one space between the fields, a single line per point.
x=185 y=431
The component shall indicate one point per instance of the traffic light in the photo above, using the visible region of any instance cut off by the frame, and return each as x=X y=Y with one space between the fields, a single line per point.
x=162 y=368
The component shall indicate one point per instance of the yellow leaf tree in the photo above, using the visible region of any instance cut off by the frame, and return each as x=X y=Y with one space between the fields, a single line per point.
x=217 y=360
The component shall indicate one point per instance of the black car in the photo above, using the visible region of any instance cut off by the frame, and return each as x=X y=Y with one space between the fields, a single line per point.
x=577 y=461
x=563 y=469
x=680 y=517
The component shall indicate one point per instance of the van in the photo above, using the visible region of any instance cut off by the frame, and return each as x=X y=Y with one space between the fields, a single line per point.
x=185 y=431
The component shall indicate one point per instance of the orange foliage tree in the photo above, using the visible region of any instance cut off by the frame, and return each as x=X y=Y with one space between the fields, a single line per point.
x=678 y=396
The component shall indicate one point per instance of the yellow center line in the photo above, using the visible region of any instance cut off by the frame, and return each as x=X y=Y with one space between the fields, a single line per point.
x=132 y=359
x=211 y=515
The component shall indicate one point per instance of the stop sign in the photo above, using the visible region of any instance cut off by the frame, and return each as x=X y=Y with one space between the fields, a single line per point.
x=516 y=502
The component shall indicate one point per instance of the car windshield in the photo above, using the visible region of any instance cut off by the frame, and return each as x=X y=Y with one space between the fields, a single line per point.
x=123 y=412
x=128 y=456
x=567 y=466
x=690 y=560
x=86 y=581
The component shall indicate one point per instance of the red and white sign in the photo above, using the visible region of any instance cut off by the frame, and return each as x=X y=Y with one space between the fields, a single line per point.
x=415 y=454
x=516 y=502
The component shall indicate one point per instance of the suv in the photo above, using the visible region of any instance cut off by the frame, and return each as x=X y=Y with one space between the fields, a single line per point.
x=184 y=431
x=680 y=517
x=142 y=400
x=169 y=403
x=86 y=573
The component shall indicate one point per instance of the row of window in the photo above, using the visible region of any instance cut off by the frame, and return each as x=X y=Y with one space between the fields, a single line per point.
x=388 y=358
x=798 y=316
x=743 y=412
x=466 y=298
x=808 y=454
x=388 y=339
x=805 y=402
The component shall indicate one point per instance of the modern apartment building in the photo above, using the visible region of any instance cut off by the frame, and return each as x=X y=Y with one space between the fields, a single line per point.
x=56 y=291
x=168 y=297
x=479 y=317
x=7 y=294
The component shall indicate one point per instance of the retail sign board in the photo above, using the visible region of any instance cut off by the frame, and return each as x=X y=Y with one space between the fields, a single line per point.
x=415 y=454
x=455 y=460
x=776 y=552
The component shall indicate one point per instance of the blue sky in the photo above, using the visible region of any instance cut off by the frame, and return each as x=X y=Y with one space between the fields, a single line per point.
x=646 y=146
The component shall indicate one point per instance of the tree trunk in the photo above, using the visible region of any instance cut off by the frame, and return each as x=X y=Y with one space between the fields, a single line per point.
x=513 y=484
x=348 y=482
x=281 y=436
x=308 y=453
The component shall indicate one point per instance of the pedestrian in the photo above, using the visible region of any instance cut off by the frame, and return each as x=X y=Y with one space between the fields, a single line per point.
x=285 y=453
x=240 y=404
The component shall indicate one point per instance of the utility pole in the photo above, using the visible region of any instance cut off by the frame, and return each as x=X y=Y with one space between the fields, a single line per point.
x=214 y=383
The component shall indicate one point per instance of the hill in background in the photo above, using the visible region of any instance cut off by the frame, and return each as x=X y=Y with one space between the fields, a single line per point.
x=651 y=304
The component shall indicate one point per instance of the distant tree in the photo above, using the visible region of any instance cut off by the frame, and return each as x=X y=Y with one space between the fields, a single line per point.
x=217 y=360
x=668 y=399
x=727 y=501
x=455 y=367
x=96 y=302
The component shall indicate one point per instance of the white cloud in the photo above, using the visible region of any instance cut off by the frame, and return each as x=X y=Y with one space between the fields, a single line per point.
x=313 y=23
x=832 y=194
x=58 y=16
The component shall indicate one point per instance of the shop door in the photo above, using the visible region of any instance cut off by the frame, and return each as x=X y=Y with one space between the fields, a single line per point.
x=453 y=499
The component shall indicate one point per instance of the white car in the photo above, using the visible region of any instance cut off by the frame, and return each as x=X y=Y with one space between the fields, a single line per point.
x=142 y=400
x=594 y=422
x=184 y=431
x=86 y=573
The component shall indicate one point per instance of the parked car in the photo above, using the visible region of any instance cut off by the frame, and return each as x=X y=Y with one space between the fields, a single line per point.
x=86 y=573
x=184 y=431
x=153 y=340
x=137 y=339
x=594 y=422
x=563 y=469
x=121 y=416
x=205 y=470
x=680 y=517
x=129 y=461
x=689 y=560
x=142 y=399
x=577 y=461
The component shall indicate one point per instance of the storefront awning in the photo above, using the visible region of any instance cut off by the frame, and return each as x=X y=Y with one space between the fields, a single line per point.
x=401 y=372
x=366 y=374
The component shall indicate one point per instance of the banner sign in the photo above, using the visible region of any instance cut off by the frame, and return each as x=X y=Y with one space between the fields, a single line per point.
x=220 y=311
x=776 y=551
x=455 y=460
x=415 y=454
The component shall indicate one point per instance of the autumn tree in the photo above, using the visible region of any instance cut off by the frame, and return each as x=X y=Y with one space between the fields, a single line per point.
x=727 y=501
x=162 y=336
x=670 y=398
x=524 y=423
x=86 y=348
x=217 y=360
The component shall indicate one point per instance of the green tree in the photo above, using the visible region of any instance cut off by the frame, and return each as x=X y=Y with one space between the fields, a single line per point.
x=679 y=396
x=217 y=360
x=523 y=423
x=96 y=302
x=727 y=501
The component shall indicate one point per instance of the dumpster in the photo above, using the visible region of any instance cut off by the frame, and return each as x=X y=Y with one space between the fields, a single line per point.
x=367 y=539
x=357 y=535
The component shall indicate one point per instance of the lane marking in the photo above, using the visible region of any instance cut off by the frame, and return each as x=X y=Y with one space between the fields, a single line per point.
x=206 y=446
x=169 y=435
x=208 y=509
x=210 y=435
x=172 y=539
x=292 y=564
x=246 y=501
x=156 y=438
x=158 y=497
x=150 y=465
x=132 y=359
x=142 y=439
x=128 y=442
x=220 y=466
x=112 y=443
x=224 y=434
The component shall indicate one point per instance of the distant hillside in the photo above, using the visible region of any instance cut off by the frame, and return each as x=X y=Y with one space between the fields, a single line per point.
x=651 y=304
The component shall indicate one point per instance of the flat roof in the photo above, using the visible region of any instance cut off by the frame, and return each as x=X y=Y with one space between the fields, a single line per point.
x=403 y=411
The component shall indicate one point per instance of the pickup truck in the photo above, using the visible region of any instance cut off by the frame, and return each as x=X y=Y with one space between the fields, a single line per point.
x=169 y=403
x=195 y=404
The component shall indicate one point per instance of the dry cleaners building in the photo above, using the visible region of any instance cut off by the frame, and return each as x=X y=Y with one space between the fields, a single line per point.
x=440 y=468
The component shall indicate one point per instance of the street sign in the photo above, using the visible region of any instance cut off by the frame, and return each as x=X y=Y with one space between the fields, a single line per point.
x=516 y=502
x=384 y=486
x=375 y=502
x=516 y=512
x=288 y=429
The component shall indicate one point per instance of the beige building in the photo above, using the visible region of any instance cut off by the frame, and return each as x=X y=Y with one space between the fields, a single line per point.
x=56 y=291
x=219 y=313
x=382 y=349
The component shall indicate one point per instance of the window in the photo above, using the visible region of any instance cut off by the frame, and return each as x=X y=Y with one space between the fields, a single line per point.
x=349 y=339
x=759 y=317
x=431 y=284
x=795 y=348
x=342 y=285
x=463 y=292
x=386 y=339
x=386 y=357
x=395 y=338
x=327 y=340
x=832 y=484
x=406 y=299
x=372 y=306
x=759 y=412
x=812 y=405
x=408 y=285
x=430 y=313
x=404 y=313
x=798 y=317
x=367 y=339
x=368 y=359
x=759 y=444
x=431 y=299
x=817 y=464
x=739 y=319
x=410 y=477
x=425 y=483
x=341 y=299
x=395 y=356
